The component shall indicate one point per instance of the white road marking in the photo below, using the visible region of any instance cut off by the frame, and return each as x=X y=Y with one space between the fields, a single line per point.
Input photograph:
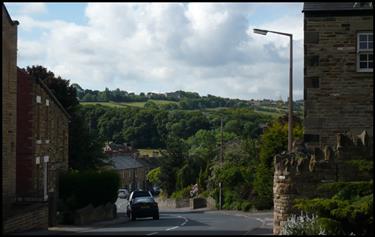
x=153 y=233
x=186 y=220
x=172 y=228
x=261 y=220
x=182 y=224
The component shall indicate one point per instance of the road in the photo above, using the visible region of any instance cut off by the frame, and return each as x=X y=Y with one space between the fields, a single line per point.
x=182 y=221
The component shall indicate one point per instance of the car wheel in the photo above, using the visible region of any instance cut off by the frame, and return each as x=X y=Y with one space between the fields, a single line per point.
x=132 y=217
x=156 y=217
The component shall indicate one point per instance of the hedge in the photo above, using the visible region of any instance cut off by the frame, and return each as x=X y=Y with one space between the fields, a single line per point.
x=79 y=189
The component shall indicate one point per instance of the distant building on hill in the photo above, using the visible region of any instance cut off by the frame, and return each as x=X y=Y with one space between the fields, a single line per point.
x=112 y=149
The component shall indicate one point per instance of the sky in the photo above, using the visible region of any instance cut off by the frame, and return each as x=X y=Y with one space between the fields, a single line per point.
x=209 y=48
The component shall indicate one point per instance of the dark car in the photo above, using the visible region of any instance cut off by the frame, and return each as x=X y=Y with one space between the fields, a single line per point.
x=142 y=204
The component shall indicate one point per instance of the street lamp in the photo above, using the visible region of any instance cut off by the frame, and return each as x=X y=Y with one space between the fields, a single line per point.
x=290 y=106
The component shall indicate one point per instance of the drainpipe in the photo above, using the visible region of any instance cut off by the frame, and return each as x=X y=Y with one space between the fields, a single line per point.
x=45 y=183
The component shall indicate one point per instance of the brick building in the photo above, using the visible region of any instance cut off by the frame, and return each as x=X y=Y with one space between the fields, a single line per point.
x=35 y=143
x=338 y=70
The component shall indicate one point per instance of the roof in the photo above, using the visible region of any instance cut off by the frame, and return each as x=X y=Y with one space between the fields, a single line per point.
x=49 y=92
x=124 y=162
x=336 y=6
x=149 y=162
x=9 y=18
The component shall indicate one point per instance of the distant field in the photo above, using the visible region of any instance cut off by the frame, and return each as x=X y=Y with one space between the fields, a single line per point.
x=273 y=114
x=133 y=104
x=160 y=102
x=109 y=104
x=148 y=152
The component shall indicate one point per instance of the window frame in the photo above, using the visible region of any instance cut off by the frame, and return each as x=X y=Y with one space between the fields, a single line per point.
x=363 y=52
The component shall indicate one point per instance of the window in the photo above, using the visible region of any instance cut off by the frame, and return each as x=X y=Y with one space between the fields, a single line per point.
x=365 y=61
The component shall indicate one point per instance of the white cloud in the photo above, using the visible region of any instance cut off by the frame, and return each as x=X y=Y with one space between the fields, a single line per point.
x=141 y=47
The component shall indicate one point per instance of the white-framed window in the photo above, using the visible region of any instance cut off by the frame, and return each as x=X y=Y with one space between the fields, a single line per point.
x=365 y=49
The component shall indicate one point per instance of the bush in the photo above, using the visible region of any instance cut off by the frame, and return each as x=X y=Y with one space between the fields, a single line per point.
x=355 y=216
x=346 y=190
x=263 y=203
x=205 y=194
x=183 y=193
x=330 y=226
x=79 y=189
x=246 y=205
x=236 y=205
x=302 y=225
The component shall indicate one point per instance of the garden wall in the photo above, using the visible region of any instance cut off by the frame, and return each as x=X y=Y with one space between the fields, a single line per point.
x=91 y=214
x=34 y=216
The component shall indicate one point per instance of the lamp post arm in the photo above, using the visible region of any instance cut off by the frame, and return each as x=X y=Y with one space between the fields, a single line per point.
x=280 y=33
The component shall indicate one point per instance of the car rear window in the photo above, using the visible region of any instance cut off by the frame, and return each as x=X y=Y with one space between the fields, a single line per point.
x=144 y=199
x=141 y=194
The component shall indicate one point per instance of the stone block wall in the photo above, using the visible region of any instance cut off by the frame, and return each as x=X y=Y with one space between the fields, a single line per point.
x=9 y=110
x=90 y=214
x=173 y=203
x=198 y=203
x=337 y=97
x=31 y=217
x=298 y=174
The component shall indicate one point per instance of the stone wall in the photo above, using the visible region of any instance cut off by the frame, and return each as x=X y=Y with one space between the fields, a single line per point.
x=27 y=218
x=196 y=203
x=90 y=214
x=298 y=174
x=9 y=110
x=173 y=203
x=337 y=97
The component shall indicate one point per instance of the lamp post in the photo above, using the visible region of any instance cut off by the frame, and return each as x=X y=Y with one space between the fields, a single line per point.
x=290 y=106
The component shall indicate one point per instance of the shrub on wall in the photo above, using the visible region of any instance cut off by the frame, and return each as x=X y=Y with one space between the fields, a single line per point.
x=183 y=193
x=355 y=216
x=79 y=189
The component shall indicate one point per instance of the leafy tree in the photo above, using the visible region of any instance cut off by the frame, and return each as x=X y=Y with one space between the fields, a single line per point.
x=172 y=159
x=65 y=93
x=153 y=176
x=86 y=147
x=273 y=141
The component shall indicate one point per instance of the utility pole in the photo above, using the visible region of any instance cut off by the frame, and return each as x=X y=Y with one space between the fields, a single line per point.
x=221 y=161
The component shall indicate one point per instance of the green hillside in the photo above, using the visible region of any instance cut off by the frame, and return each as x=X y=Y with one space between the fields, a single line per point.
x=133 y=104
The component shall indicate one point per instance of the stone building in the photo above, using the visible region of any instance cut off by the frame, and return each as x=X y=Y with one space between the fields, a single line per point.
x=338 y=94
x=9 y=110
x=132 y=172
x=35 y=143
x=338 y=70
x=42 y=139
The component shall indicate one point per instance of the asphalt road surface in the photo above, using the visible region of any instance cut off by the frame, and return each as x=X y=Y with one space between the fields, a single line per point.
x=188 y=222
x=182 y=221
